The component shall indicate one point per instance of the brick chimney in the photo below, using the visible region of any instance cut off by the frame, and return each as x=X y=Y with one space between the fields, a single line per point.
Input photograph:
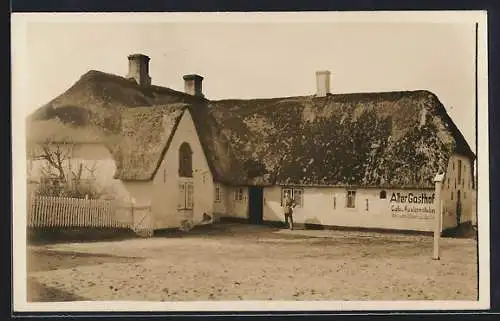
x=138 y=69
x=322 y=83
x=192 y=85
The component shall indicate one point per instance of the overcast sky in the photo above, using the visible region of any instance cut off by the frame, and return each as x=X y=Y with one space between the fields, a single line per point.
x=265 y=59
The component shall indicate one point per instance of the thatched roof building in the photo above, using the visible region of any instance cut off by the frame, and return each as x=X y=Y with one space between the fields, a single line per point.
x=391 y=139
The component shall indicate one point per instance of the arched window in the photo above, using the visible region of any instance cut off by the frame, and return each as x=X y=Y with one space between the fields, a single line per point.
x=383 y=195
x=185 y=161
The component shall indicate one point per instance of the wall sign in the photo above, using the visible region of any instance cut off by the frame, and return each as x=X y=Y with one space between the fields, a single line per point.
x=412 y=205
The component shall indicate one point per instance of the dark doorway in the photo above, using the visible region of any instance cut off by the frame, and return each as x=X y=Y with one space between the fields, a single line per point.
x=459 y=208
x=255 y=204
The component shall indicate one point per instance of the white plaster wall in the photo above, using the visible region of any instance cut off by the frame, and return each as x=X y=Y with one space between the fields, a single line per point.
x=382 y=213
x=166 y=181
x=451 y=185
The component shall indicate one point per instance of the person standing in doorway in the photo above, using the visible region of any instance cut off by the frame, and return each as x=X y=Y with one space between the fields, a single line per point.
x=288 y=205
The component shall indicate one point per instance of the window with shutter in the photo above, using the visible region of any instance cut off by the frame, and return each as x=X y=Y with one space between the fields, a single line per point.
x=181 y=202
x=459 y=171
x=185 y=161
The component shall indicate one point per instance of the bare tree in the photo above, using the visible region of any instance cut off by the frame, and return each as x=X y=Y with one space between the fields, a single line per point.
x=58 y=177
x=55 y=154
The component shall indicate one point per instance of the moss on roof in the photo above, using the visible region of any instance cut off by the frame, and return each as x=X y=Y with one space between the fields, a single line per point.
x=399 y=139
x=366 y=139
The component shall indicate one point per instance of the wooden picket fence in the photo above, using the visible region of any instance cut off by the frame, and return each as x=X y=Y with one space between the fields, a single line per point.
x=47 y=211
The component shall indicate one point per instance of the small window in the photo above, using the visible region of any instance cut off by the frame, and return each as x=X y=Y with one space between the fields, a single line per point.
x=366 y=201
x=238 y=194
x=164 y=176
x=351 y=199
x=217 y=193
x=297 y=194
x=455 y=183
x=334 y=201
x=448 y=183
x=452 y=196
x=453 y=165
x=383 y=195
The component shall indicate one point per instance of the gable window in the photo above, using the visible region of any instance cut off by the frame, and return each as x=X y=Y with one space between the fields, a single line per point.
x=217 y=193
x=238 y=194
x=351 y=199
x=185 y=161
x=297 y=194
x=383 y=195
x=459 y=171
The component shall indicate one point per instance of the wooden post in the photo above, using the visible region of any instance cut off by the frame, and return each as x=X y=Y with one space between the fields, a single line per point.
x=438 y=180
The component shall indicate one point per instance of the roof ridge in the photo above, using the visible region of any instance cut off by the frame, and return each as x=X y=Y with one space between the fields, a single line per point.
x=93 y=72
x=361 y=93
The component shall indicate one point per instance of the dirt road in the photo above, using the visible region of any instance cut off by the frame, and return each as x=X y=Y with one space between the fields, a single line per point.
x=241 y=262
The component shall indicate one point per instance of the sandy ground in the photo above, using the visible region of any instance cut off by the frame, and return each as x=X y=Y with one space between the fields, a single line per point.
x=243 y=262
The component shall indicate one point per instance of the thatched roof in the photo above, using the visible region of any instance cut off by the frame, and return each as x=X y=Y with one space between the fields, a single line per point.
x=98 y=99
x=145 y=137
x=399 y=139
